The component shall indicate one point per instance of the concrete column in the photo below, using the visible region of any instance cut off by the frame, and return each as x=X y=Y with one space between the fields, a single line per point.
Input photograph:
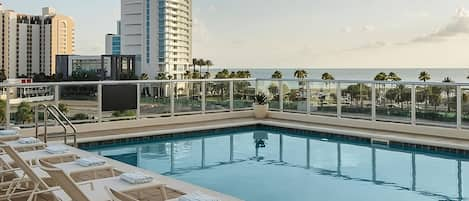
x=280 y=96
x=308 y=97
x=171 y=97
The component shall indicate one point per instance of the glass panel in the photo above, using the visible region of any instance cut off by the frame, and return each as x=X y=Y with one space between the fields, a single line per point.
x=436 y=105
x=393 y=102
x=217 y=96
x=324 y=155
x=356 y=100
x=400 y=173
x=323 y=98
x=187 y=97
x=271 y=89
x=465 y=107
x=188 y=154
x=294 y=99
x=79 y=102
x=156 y=156
x=24 y=99
x=243 y=94
x=155 y=99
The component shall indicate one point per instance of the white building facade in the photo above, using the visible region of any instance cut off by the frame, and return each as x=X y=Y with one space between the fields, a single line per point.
x=29 y=43
x=159 y=32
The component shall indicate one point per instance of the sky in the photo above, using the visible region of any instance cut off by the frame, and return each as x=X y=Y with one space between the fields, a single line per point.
x=298 y=33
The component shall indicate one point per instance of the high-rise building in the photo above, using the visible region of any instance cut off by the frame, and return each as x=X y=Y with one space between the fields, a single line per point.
x=159 y=32
x=113 y=42
x=30 y=43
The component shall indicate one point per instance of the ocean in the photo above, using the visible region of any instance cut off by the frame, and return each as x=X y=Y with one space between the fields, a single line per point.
x=407 y=74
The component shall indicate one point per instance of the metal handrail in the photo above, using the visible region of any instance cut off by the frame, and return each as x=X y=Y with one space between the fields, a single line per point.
x=64 y=117
x=49 y=109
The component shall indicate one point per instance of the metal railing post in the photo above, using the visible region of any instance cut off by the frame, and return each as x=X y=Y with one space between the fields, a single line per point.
x=100 y=103
x=7 y=109
x=137 y=114
x=308 y=98
x=204 y=96
x=339 y=100
x=56 y=95
x=373 y=102
x=414 y=105
x=231 y=96
x=459 y=96
x=171 y=97
x=280 y=96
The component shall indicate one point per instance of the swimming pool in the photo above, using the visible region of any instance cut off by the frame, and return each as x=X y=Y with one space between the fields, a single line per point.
x=260 y=163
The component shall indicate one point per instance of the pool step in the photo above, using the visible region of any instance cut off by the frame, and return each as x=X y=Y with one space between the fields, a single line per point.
x=379 y=142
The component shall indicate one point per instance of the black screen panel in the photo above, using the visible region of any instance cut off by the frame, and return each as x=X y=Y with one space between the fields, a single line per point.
x=119 y=97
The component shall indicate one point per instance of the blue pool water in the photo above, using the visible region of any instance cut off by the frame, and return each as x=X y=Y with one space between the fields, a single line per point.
x=293 y=167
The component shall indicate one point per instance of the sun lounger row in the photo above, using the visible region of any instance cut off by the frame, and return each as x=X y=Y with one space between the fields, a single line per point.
x=54 y=173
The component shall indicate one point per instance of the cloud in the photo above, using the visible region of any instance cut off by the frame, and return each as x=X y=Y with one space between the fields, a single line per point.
x=368 y=28
x=347 y=29
x=458 y=25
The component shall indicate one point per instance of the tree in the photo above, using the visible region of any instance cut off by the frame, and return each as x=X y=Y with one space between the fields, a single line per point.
x=425 y=76
x=209 y=64
x=382 y=76
x=63 y=108
x=327 y=77
x=207 y=75
x=393 y=77
x=448 y=90
x=2 y=110
x=144 y=76
x=224 y=74
x=3 y=75
x=300 y=74
x=201 y=63
x=24 y=113
x=277 y=75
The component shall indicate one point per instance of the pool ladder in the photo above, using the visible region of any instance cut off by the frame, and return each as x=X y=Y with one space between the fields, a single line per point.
x=60 y=118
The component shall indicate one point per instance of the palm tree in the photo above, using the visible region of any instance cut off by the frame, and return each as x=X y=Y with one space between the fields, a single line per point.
x=277 y=75
x=448 y=91
x=209 y=64
x=425 y=76
x=393 y=77
x=201 y=62
x=2 y=110
x=327 y=77
x=187 y=75
x=382 y=76
x=300 y=74
x=207 y=75
x=24 y=113
x=224 y=74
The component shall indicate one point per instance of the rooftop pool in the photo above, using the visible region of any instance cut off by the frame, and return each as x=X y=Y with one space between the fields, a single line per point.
x=260 y=163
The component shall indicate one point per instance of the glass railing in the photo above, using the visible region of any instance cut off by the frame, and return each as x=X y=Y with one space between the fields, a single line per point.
x=414 y=103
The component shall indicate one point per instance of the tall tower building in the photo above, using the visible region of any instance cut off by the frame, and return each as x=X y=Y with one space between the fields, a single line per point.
x=113 y=42
x=159 y=32
x=29 y=43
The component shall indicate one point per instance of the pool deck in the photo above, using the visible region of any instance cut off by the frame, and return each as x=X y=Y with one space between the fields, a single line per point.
x=148 y=127
x=111 y=132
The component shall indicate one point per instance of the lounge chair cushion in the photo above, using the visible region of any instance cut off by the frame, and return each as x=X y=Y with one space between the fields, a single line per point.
x=8 y=132
x=196 y=196
x=57 y=149
x=90 y=161
x=136 y=178
x=28 y=140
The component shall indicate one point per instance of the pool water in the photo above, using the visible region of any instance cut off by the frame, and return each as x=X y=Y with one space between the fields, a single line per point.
x=265 y=164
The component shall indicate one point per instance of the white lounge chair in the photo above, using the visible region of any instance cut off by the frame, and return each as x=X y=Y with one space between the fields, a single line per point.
x=98 y=192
